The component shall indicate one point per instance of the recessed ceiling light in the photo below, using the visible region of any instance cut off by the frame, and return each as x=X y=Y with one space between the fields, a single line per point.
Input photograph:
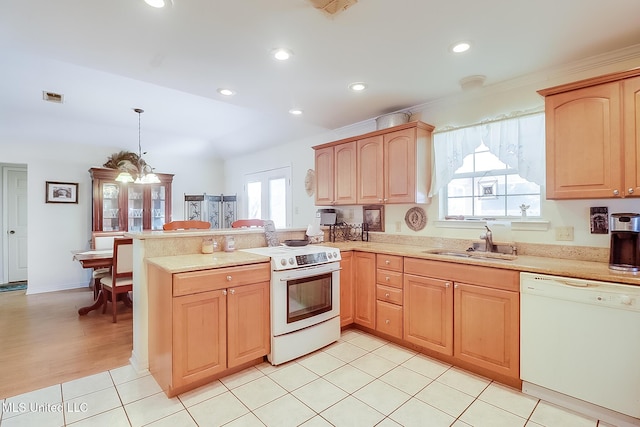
x=460 y=47
x=155 y=3
x=295 y=111
x=226 y=92
x=281 y=54
x=358 y=86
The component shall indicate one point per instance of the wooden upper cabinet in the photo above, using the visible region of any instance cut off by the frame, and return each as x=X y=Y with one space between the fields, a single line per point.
x=129 y=207
x=336 y=175
x=592 y=137
x=631 y=108
x=391 y=166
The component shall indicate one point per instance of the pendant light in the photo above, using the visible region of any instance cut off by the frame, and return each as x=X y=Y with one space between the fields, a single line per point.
x=144 y=172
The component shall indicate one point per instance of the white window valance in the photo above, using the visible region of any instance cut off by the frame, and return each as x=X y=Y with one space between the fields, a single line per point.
x=517 y=142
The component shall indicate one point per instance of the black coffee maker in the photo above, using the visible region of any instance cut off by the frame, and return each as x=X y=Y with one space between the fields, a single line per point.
x=624 y=253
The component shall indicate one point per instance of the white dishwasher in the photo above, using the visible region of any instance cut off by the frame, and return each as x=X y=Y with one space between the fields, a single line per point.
x=581 y=339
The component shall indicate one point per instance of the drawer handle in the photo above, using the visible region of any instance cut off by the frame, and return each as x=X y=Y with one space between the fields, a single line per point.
x=386 y=278
x=387 y=262
x=387 y=321
x=229 y=278
x=386 y=295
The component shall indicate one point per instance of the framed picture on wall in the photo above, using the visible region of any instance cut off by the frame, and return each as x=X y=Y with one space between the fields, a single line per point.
x=62 y=192
x=373 y=215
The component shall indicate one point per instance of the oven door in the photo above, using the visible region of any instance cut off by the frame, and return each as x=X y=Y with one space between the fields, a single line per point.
x=304 y=297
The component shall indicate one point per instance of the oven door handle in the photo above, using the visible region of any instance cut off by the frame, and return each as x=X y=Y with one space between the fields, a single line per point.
x=286 y=279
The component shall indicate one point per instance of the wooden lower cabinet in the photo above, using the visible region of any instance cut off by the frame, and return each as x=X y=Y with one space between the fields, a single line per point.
x=487 y=328
x=428 y=313
x=364 y=265
x=203 y=324
x=346 y=288
x=389 y=318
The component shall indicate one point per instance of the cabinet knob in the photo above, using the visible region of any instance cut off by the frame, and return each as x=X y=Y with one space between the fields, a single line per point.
x=456 y=286
x=630 y=190
x=232 y=291
x=224 y=292
x=384 y=200
x=387 y=262
x=379 y=200
x=229 y=278
x=386 y=295
x=447 y=284
x=616 y=193
x=387 y=321
x=386 y=278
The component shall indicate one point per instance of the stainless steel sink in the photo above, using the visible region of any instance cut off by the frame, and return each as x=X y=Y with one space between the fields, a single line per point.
x=472 y=254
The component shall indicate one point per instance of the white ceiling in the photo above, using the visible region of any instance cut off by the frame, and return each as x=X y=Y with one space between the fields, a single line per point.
x=111 y=56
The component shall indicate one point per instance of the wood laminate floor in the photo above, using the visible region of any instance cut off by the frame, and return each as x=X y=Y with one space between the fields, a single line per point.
x=45 y=342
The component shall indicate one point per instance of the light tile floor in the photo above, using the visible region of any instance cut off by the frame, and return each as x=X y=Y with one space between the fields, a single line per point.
x=361 y=380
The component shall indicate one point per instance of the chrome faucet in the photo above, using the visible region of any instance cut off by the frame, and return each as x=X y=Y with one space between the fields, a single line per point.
x=488 y=240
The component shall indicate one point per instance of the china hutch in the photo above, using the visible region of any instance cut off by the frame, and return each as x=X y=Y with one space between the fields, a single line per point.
x=129 y=207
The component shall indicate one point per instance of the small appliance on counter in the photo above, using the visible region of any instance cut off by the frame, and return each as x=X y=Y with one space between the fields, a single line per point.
x=624 y=253
x=327 y=216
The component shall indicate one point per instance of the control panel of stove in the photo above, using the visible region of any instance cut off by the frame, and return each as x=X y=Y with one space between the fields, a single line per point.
x=285 y=261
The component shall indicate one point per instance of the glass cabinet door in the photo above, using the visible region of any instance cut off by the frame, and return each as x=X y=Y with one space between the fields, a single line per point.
x=158 y=206
x=136 y=208
x=110 y=208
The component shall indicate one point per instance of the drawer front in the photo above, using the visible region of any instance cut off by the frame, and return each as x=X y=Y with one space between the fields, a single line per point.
x=389 y=319
x=389 y=262
x=220 y=278
x=389 y=278
x=387 y=294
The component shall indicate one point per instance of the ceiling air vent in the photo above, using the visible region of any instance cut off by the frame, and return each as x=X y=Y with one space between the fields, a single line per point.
x=332 y=7
x=52 y=97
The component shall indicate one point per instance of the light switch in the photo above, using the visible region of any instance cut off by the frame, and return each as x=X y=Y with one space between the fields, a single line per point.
x=564 y=233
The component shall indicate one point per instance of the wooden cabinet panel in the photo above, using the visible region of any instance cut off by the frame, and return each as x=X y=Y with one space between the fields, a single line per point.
x=346 y=288
x=324 y=176
x=206 y=280
x=336 y=175
x=248 y=334
x=400 y=166
x=365 y=289
x=390 y=262
x=199 y=336
x=388 y=294
x=631 y=96
x=487 y=328
x=428 y=313
x=583 y=137
x=389 y=319
x=389 y=278
x=370 y=170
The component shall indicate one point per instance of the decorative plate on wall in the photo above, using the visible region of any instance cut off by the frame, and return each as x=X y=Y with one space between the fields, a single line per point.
x=416 y=218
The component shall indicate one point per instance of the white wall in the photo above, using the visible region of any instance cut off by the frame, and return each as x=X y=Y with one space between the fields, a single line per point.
x=57 y=229
x=467 y=108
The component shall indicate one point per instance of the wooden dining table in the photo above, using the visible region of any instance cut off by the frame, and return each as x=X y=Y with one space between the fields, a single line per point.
x=94 y=259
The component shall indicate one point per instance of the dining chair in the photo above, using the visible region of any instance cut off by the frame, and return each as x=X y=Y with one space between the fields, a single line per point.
x=101 y=241
x=187 y=225
x=120 y=280
x=247 y=223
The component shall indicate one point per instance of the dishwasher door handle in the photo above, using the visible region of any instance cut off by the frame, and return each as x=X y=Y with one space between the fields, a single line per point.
x=574 y=284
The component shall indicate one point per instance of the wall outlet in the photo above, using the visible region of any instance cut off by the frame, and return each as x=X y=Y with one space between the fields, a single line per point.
x=564 y=233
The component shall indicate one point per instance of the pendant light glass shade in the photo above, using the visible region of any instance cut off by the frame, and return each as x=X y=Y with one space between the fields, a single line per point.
x=144 y=172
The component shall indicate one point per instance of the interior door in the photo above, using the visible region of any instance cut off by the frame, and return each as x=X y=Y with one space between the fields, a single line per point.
x=16 y=204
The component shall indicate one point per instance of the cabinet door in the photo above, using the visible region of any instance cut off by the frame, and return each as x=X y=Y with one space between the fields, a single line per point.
x=631 y=91
x=370 y=170
x=107 y=202
x=199 y=336
x=400 y=166
x=487 y=327
x=324 y=176
x=428 y=313
x=583 y=140
x=345 y=173
x=346 y=288
x=389 y=319
x=135 y=207
x=248 y=335
x=365 y=289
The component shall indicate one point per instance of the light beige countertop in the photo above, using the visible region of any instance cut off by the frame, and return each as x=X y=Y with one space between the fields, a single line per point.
x=589 y=270
x=534 y=264
x=194 y=262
